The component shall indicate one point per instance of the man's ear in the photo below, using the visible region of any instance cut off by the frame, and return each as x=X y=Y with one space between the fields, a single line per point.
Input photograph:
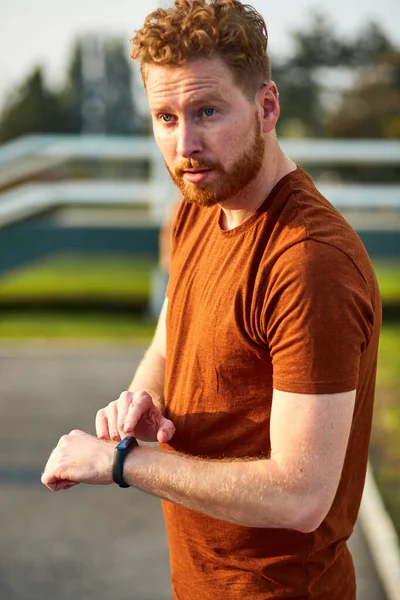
x=269 y=100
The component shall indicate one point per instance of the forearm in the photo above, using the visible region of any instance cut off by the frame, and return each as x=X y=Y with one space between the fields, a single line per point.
x=150 y=375
x=252 y=493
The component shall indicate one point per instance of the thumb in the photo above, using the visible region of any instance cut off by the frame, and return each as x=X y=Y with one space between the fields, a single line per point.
x=165 y=431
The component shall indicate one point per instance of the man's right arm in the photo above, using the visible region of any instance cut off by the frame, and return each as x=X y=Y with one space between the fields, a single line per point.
x=150 y=373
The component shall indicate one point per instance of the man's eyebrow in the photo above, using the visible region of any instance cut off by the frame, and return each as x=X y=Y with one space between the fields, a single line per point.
x=200 y=101
x=207 y=99
x=159 y=109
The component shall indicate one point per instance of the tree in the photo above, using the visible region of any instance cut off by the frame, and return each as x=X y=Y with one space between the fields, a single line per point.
x=371 y=44
x=319 y=57
x=71 y=96
x=371 y=108
x=98 y=93
x=96 y=98
x=299 y=81
x=120 y=112
x=32 y=109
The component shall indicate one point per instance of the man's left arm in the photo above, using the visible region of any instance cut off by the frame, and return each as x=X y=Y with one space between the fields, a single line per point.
x=293 y=489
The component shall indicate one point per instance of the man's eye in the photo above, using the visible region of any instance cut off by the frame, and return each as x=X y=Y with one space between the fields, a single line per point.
x=209 y=112
x=166 y=118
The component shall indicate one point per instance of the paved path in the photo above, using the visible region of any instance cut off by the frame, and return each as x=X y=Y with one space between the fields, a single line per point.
x=89 y=543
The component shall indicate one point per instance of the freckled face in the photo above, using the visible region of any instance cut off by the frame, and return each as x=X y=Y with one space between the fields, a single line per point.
x=207 y=130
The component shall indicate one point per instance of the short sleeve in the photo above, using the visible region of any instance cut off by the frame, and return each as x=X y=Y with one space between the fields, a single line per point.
x=318 y=317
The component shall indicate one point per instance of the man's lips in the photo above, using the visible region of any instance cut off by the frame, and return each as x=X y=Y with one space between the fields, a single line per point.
x=196 y=175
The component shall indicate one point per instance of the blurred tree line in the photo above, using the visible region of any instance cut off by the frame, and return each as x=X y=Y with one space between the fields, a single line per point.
x=339 y=88
x=96 y=98
x=328 y=88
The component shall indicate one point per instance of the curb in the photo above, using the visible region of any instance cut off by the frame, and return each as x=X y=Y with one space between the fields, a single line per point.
x=381 y=537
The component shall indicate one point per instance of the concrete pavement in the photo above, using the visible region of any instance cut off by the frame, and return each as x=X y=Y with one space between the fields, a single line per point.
x=90 y=542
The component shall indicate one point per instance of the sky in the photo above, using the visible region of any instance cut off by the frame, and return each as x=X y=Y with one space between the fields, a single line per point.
x=40 y=32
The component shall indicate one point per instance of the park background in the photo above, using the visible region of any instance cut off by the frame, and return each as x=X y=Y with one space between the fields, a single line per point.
x=66 y=75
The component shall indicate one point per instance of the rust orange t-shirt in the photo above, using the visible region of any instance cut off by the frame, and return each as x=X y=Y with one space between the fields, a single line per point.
x=287 y=300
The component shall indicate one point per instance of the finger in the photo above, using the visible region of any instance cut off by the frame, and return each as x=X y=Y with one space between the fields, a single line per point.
x=166 y=430
x=142 y=397
x=112 y=416
x=141 y=403
x=55 y=485
x=64 y=484
x=49 y=480
x=101 y=424
x=123 y=404
x=77 y=432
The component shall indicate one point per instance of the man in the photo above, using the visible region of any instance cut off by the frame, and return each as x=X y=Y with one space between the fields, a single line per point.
x=259 y=382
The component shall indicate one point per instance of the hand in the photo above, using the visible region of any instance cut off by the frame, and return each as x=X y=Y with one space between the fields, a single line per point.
x=78 y=458
x=134 y=413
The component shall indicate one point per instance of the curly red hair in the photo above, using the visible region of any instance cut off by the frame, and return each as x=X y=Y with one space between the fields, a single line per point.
x=192 y=29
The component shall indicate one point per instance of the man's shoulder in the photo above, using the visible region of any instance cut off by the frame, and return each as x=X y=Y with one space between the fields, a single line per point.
x=309 y=216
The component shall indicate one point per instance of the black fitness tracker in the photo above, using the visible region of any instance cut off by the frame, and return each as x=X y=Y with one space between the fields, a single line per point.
x=121 y=452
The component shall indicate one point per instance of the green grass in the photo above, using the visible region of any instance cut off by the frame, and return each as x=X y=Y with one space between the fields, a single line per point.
x=69 y=278
x=389 y=357
x=99 y=279
x=388 y=274
x=385 y=438
x=61 y=325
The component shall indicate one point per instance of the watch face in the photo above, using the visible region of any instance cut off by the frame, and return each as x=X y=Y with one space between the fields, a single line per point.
x=126 y=442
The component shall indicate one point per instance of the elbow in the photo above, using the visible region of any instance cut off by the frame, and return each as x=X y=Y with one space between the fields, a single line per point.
x=302 y=513
x=311 y=512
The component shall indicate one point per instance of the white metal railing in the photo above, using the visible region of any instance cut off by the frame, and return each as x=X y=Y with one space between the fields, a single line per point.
x=343 y=152
x=26 y=157
x=34 y=198
x=97 y=146
x=356 y=196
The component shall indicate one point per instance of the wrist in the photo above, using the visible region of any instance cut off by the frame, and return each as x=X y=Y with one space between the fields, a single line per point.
x=105 y=468
x=138 y=464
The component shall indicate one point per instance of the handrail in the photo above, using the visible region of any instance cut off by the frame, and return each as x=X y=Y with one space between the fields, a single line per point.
x=33 y=198
x=87 y=145
x=27 y=156
x=32 y=154
x=356 y=151
x=342 y=151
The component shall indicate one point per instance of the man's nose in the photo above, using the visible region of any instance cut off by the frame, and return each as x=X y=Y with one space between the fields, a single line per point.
x=189 y=141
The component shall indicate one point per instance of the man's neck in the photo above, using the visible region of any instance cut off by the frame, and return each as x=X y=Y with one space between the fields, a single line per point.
x=238 y=209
